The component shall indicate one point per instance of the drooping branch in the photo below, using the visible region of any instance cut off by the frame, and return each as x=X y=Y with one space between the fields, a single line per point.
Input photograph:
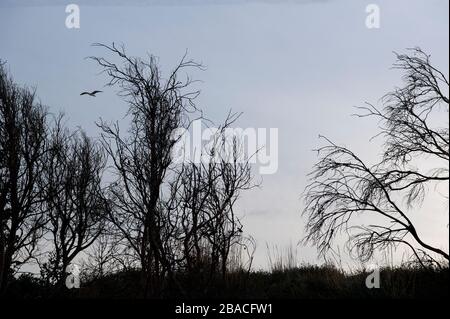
x=343 y=186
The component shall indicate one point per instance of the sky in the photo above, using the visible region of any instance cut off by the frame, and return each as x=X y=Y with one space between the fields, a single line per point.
x=300 y=66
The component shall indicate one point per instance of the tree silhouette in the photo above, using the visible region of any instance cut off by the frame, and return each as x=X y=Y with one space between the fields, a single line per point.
x=201 y=205
x=75 y=204
x=22 y=146
x=343 y=186
x=141 y=158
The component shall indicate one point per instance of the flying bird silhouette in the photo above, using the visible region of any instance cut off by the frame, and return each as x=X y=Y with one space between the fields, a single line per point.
x=91 y=93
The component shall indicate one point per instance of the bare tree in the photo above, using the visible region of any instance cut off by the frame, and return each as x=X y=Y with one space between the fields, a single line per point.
x=22 y=145
x=343 y=186
x=76 y=205
x=102 y=257
x=141 y=158
x=228 y=178
x=201 y=205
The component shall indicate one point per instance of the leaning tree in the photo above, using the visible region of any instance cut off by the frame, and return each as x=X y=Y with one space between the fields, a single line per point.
x=414 y=125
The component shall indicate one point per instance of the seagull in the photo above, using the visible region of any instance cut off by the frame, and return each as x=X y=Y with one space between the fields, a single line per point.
x=91 y=93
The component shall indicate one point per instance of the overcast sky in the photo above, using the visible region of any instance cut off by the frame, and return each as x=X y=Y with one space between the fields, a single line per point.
x=299 y=66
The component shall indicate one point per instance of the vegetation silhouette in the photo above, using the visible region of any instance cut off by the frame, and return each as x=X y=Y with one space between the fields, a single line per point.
x=160 y=229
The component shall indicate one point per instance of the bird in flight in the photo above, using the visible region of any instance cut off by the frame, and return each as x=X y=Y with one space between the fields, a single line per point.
x=91 y=93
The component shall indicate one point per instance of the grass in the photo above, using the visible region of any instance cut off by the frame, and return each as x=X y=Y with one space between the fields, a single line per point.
x=306 y=282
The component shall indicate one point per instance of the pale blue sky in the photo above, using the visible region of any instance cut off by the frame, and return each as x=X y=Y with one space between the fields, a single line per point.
x=299 y=66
